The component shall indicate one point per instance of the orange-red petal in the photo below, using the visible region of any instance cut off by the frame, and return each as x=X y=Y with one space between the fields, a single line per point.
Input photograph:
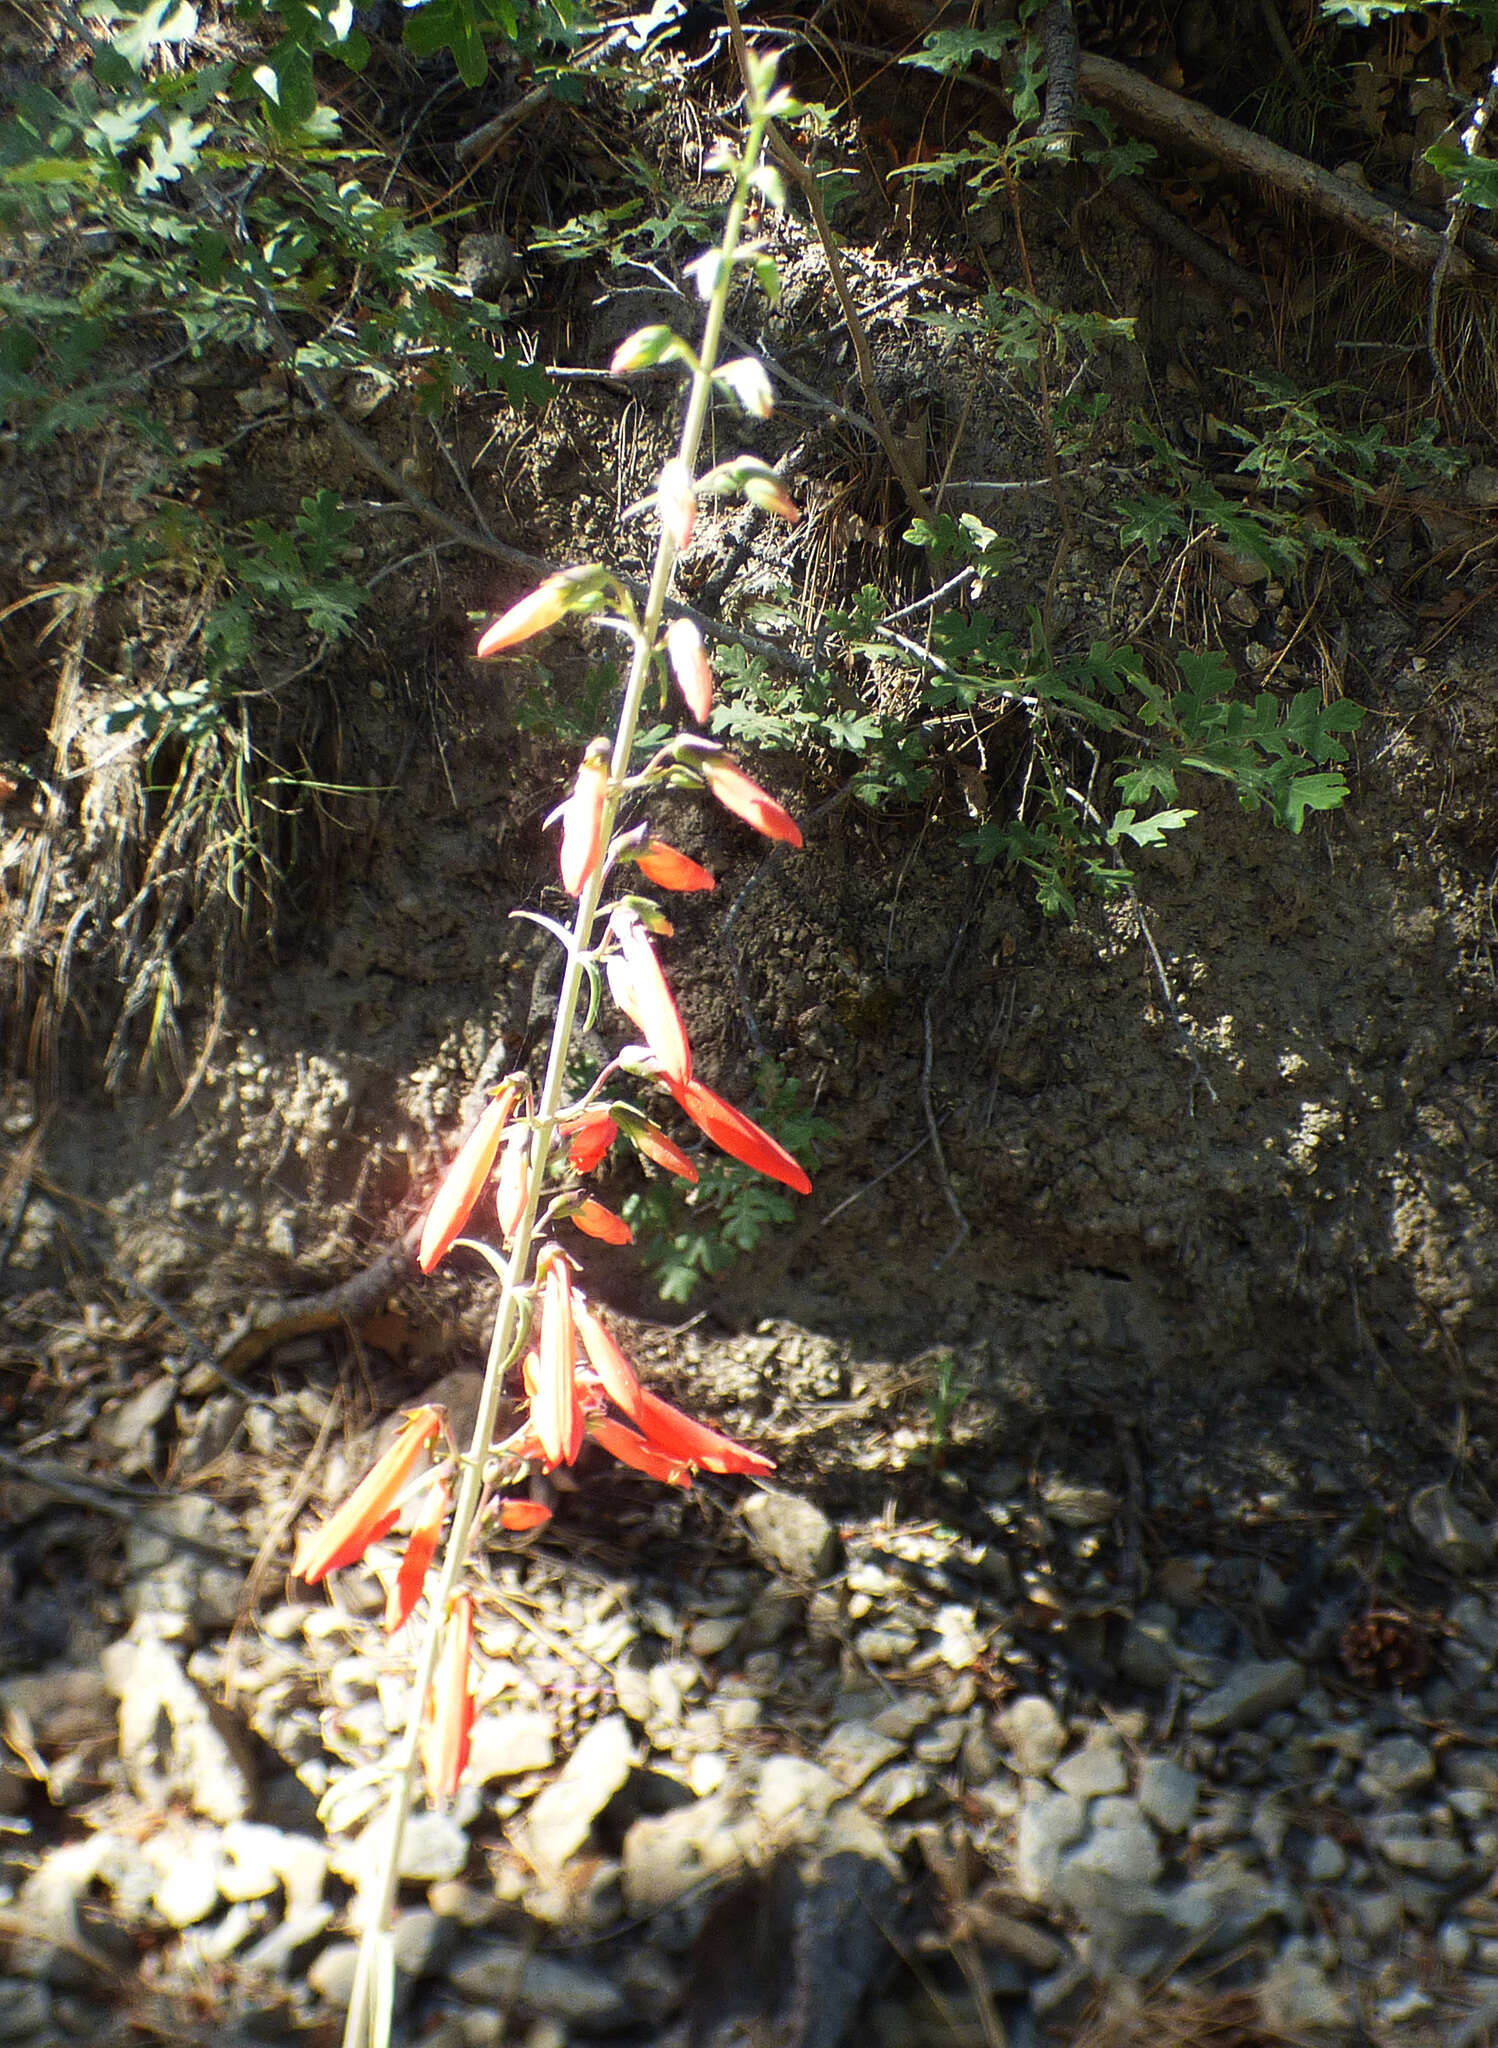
x=421 y=1548
x=668 y=869
x=616 y=1375
x=523 y=1514
x=464 y=1180
x=590 y=1135
x=667 y=1430
x=639 y=988
x=734 y=790
x=650 y=1139
x=582 y=819
x=556 y=1411
x=372 y=1509
x=447 y=1731
x=739 y=1135
x=630 y=1448
x=594 y=1220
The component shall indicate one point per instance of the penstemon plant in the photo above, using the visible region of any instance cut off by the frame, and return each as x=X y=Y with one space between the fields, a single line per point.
x=577 y=1384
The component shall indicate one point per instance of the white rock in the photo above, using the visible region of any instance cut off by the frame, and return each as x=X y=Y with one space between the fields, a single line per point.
x=507 y=1974
x=1049 y=1824
x=1168 y=1793
x=1326 y=1860
x=1032 y=1728
x=561 y=1818
x=1096 y=1769
x=1295 y=1998
x=1397 y=1765
x=190 y=1864
x=173 y=1744
x=510 y=1743
x=794 y=1788
x=1248 y=1694
x=668 y=1855
x=855 y=1750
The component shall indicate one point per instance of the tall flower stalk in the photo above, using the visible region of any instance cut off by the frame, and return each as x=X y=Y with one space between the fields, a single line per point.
x=578 y=1384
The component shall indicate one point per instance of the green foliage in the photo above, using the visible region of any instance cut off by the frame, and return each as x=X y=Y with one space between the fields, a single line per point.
x=686 y=1235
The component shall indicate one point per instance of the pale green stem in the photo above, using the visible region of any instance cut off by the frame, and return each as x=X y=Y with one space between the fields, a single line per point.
x=368 y=2016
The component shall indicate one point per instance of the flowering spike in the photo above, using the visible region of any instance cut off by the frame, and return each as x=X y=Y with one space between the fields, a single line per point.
x=463 y=1182
x=555 y=1410
x=447 y=1731
x=630 y=1448
x=582 y=819
x=421 y=1548
x=594 y=1220
x=676 y=1435
x=523 y=1514
x=639 y=988
x=738 y=1135
x=691 y=667
x=650 y=1139
x=591 y=1133
x=616 y=1375
x=372 y=1509
x=668 y=869
x=570 y=590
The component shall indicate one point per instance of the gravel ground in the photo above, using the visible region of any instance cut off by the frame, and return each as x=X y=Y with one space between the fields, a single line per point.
x=1059 y=1761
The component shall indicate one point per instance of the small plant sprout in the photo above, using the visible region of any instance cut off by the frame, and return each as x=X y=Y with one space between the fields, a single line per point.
x=548 y=1346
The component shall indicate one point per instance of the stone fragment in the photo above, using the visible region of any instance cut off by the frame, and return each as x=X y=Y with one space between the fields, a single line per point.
x=1248 y=1694
x=174 y=1743
x=1478 y=1621
x=711 y=1636
x=1227 y=1902
x=1121 y=1845
x=1145 y=1656
x=891 y=1644
x=1295 y=1998
x=25 y=2008
x=331 y=1974
x=1326 y=1860
x=123 y=1429
x=189 y=1863
x=1435 y=1856
x=422 y=1941
x=561 y=1818
x=1167 y=1794
x=1397 y=1765
x=901 y=1719
x=279 y=1953
x=435 y=1846
x=1097 y=1768
x=1049 y=1824
x=898 y=1787
x=939 y=1743
x=504 y=1973
x=855 y=1750
x=174 y=1587
x=791 y=1534
x=509 y=1744
x=668 y=1855
x=1453 y=1536
x=792 y=1788
x=1032 y=1729
x=1076 y=1505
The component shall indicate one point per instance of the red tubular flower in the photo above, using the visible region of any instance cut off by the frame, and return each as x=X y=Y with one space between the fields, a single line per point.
x=372 y=1509
x=570 y=590
x=447 y=1731
x=591 y=1134
x=733 y=789
x=625 y=1444
x=523 y=1514
x=676 y=501
x=650 y=1139
x=509 y=1196
x=616 y=1375
x=639 y=988
x=463 y=1182
x=691 y=667
x=594 y=1220
x=582 y=819
x=420 y=1550
x=556 y=1411
x=668 y=869
x=676 y=1435
x=738 y=1135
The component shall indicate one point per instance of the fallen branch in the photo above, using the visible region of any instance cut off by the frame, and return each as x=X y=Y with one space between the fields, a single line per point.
x=1146 y=105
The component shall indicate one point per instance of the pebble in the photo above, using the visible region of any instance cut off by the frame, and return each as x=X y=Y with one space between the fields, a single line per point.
x=855 y=1750
x=1049 y=1824
x=561 y=1818
x=435 y=1846
x=1395 y=1766
x=1326 y=1860
x=25 y=2008
x=1168 y=1793
x=509 y=1743
x=710 y=1638
x=172 y=1743
x=1032 y=1729
x=791 y=1534
x=1095 y=1769
x=508 y=1975
x=896 y=1788
x=1449 y=1532
x=1248 y=1694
